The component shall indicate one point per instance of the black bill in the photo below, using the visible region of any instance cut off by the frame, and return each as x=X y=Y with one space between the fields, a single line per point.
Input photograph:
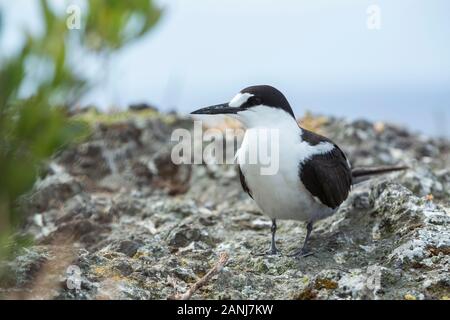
x=218 y=109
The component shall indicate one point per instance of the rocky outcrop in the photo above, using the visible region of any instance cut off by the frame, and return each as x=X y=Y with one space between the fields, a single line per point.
x=114 y=218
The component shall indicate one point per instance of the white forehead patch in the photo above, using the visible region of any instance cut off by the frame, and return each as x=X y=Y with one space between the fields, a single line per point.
x=240 y=99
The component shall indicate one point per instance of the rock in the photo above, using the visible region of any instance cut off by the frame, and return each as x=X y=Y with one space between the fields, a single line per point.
x=124 y=267
x=174 y=178
x=183 y=235
x=128 y=247
x=144 y=228
x=79 y=230
x=24 y=269
x=142 y=106
x=86 y=159
x=52 y=192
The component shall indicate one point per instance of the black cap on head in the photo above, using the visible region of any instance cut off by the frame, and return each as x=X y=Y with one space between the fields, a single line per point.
x=256 y=96
x=268 y=96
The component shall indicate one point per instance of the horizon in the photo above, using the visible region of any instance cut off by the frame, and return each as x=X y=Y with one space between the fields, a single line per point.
x=321 y=55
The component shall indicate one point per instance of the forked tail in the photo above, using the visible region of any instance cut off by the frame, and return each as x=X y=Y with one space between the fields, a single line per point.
x=362 y=174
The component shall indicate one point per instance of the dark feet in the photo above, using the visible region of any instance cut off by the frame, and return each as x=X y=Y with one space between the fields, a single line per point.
x=301 y=253
x=273 y=252
x=304 y=252
x=270 y=252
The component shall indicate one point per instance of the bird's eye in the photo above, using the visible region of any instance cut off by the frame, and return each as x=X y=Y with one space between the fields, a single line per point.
x=254 y=101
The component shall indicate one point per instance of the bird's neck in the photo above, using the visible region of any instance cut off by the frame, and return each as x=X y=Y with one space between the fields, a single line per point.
x=269 y=118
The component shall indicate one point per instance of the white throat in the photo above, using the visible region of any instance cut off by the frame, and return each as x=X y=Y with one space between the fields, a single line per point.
x=268 y=117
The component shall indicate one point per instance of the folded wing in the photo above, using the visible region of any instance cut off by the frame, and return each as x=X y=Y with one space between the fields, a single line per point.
x=327 y=177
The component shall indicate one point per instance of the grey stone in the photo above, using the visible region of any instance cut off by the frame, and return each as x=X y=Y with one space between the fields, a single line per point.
x=158 y=228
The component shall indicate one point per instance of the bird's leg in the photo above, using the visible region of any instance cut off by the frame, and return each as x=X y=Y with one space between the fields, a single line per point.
x=273 y=247
x=303 y=252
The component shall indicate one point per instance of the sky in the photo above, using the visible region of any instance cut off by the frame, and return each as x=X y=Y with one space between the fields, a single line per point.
x=320 y=53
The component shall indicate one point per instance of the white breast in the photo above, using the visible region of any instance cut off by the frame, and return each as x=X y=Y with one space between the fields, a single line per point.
x=282 y=195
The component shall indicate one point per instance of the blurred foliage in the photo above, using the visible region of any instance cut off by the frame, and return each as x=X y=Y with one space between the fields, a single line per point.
x=34 y=127
x=123 y=22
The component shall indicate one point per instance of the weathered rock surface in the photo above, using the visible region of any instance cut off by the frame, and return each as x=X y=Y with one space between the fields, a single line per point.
x=115 y=219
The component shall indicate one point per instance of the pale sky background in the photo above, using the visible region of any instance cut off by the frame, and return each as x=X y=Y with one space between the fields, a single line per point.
x=319 y=53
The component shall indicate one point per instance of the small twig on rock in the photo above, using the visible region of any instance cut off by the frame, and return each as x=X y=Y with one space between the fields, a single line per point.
x=223 y=259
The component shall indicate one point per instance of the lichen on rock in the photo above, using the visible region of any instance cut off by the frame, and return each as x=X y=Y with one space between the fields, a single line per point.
x=139 y=227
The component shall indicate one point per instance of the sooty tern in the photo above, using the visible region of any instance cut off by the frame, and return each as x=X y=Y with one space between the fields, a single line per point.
x=314 y=176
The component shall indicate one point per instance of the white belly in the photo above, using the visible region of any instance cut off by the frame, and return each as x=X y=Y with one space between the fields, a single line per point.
x=280 y=195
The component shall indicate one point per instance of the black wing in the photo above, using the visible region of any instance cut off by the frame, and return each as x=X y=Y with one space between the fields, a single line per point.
x=327 y=176
x=244 y=185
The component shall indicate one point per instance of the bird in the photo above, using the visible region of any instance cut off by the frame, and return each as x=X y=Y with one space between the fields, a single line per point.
x=313 y=177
